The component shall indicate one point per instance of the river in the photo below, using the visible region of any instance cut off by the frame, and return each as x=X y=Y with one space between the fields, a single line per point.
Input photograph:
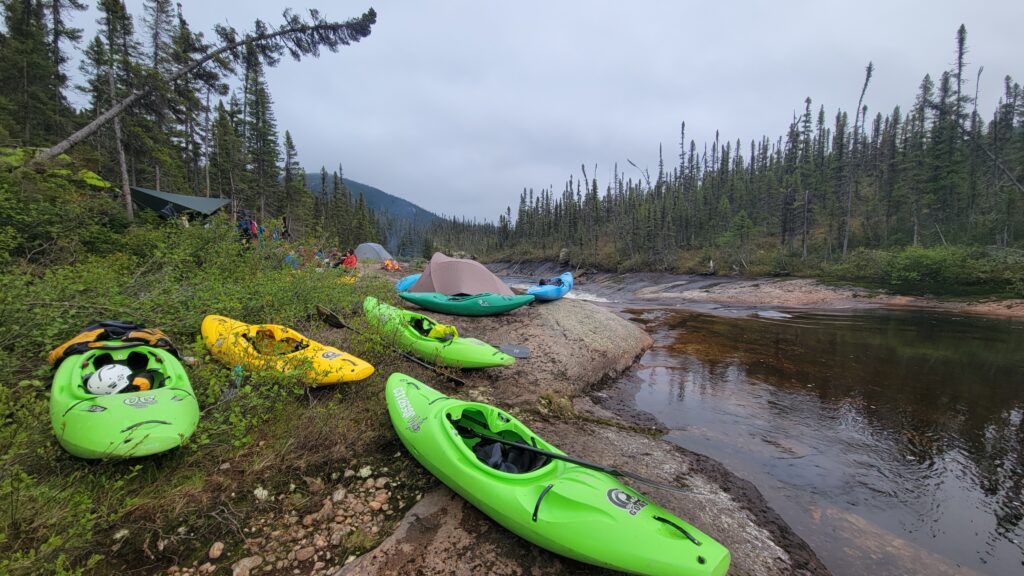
x=891 y=441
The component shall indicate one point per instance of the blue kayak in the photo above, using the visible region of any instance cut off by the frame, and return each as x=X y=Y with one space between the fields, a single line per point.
x=552 y=289
x=404 y=284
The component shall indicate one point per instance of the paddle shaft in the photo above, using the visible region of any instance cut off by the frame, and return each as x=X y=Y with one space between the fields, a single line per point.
x=583 y=463
x=334 y=320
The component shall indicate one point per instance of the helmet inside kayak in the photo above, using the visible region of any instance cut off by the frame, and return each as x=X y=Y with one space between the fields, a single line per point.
x=481 y=440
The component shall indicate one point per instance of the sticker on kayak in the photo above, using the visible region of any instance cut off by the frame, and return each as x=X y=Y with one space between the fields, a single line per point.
x=632 y=504
x=406 y=409
x=140 y=401
x=330 y=355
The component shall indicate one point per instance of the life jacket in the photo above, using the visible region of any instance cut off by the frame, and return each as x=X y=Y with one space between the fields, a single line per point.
x=111 y=334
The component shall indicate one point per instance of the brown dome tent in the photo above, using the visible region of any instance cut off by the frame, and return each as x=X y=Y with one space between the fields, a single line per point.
x=453 y=276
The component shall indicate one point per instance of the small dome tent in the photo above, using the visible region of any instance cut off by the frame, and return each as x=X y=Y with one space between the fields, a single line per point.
x=372 y=251
x=453 y=276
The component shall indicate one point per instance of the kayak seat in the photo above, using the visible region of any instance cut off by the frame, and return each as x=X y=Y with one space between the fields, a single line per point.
x=473 y=429
x=508 y=458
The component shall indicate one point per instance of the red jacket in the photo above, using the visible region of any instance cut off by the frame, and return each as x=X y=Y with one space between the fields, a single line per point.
x=349 y=261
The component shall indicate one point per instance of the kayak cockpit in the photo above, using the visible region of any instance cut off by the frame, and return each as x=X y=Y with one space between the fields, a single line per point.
x=490 y=438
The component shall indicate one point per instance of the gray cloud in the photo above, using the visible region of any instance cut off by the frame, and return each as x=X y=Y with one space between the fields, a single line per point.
x=459 y=105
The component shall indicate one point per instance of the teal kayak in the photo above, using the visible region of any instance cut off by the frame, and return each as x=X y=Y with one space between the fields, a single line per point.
x=411 y=332
x=566 y=508
x=126 y=424
x=475 y=305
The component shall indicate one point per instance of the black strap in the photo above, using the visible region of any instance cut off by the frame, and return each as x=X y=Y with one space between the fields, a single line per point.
x=678 y=527
x=536 y=507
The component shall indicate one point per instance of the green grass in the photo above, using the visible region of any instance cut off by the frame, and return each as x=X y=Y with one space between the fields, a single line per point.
x=64 y=515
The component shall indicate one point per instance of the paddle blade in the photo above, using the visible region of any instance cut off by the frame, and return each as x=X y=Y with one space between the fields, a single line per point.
x=515 y=350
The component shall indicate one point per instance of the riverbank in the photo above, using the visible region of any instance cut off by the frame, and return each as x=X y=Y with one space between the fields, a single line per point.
x=724 y=293
x=574 y=347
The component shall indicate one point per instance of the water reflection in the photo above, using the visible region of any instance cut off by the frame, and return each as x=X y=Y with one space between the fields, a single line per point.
x=892 y=441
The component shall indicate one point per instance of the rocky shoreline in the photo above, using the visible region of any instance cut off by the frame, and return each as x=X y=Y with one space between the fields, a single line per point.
x=715 y=293
x=575 y=347
x=382 y=513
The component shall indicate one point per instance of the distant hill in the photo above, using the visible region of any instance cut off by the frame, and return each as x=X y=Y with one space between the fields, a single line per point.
x=377 y=199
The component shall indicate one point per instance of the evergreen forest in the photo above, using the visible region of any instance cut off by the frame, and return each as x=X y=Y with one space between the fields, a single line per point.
x=210 y=132
x=926 y=198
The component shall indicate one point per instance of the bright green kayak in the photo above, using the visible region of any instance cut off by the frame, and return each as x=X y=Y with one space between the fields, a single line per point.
x=575 y=511
x=409 y=331
x=476 y=305
x=125 y=424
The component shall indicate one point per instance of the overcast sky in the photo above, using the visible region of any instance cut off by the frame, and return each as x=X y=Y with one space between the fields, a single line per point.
x=458 y=105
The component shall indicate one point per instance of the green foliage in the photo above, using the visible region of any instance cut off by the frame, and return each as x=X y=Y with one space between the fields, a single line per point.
x=66 y=515
x=941 y=270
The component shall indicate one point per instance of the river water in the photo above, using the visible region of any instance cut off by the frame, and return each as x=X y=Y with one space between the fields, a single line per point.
x=891 y=441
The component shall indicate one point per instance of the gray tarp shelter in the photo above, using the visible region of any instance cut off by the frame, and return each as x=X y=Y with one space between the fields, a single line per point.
x=372 y=251
x=454 y=276
x=159 y=201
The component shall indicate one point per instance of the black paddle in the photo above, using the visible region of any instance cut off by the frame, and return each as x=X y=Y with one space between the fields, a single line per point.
x=515 y=350
x=333 y=320
x=555 y=456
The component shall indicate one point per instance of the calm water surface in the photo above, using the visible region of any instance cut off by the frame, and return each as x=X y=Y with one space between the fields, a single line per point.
x=891 y=441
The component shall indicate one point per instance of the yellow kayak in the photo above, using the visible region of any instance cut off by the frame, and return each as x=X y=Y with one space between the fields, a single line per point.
x=273 y=347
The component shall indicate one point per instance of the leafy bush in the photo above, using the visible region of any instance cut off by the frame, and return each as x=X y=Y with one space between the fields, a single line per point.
x=939 y=270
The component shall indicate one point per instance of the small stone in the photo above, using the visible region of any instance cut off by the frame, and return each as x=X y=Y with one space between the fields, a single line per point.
x=207 y=568
x=216 y=550
x=349 y=559
x=338 y=495
x=314 y=484
x=245 y=565
x=326 y=511
x=173 y=570
x=319 y=566
x=319 y=541
x=348 y=474
x=381 y=496
x=381 y=482
x=368 y=485
x=374 y=505
x=225 y=466
x=308 y=520
x=303 y=554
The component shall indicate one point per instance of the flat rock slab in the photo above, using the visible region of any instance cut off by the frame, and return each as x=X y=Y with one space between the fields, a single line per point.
x=573 y=346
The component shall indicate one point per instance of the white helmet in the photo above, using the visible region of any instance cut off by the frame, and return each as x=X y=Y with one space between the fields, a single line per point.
x=109 y=379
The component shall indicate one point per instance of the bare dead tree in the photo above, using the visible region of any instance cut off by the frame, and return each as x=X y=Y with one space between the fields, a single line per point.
x=296 y=36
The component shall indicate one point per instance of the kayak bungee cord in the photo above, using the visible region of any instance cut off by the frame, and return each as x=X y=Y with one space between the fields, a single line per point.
x=335 y=321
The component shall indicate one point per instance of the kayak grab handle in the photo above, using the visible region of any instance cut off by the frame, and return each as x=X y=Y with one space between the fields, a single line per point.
x=536 y=507
x=678 y=527
x=137 y=424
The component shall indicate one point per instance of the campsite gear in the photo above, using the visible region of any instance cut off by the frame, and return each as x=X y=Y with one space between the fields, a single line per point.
x=558 y=504
x=335 y=321
x=111 y=334
x=453 y=277
x=414 y=333
x=475 y=305
x=124 y=424
x=552 y=289
x=109 y=379
x=372 y=252
x=273 y=347
x=403 y=284
x=515 y=350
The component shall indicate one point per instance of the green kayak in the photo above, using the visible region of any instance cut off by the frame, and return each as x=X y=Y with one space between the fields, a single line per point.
x=411 y=332
x=158 y=415
x=571 y=510
x=476 y=305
